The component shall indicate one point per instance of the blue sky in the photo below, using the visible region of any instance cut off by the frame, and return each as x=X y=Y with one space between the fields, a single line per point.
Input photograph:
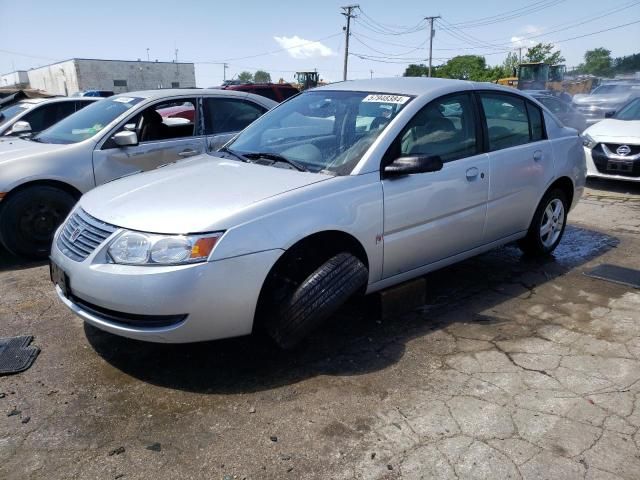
x=251 y=35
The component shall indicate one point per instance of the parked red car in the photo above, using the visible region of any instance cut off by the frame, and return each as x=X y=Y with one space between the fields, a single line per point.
x=275 y=91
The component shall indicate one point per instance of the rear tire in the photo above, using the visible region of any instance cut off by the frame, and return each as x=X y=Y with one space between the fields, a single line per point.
x=317 y=298
x=547 y=226
x=30 y=217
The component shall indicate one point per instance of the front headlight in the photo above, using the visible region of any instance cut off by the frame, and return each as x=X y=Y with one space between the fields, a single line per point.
x=135 y=248
x=588 y=142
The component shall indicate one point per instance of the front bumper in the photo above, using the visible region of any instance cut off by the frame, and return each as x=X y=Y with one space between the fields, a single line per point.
x=172 y=304
x=597 y=168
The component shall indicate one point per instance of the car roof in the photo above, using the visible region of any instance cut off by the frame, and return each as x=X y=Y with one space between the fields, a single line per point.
x=38 y=101
x=415 y=86
x=173 y=92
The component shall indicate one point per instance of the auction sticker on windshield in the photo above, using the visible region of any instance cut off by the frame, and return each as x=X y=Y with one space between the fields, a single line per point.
x=380 y=98
x=123 y=99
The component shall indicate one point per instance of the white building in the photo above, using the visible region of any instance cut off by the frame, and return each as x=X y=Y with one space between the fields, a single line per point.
x=70 y=76
x=19 y=79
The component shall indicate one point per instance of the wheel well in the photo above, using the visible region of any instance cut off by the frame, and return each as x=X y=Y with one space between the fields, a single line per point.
x=304 y=257
x=74 y=192
x=566 y=185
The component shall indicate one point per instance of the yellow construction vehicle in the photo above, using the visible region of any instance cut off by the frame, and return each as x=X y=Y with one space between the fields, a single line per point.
x=542 y=76
x=306 y=80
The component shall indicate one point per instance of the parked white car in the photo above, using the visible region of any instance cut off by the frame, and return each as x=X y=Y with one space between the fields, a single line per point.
x=42 y=177
x=612 y=146
x=321 y=198
x=32 y=115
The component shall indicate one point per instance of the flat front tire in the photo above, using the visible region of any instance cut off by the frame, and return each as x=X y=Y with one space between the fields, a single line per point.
x=29 y=218
x=318 y=297
x=548 y=224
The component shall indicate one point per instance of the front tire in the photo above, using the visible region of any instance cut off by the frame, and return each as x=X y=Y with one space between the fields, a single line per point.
x=29 y=219
x=548 y=224
x=318 y=297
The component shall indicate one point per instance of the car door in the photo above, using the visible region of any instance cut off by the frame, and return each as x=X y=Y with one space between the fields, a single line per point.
x=521 y=161
x=432 y=216
x=224 y=117
x=167 y=132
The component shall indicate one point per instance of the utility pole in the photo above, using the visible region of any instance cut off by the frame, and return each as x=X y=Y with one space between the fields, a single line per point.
x=371 y=71
x=431 y=34
x=347 y=13
x=520 y=55
x=147 y=54
x=224 y=71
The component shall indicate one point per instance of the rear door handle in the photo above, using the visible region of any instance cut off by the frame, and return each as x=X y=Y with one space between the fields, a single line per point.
x=537 y=155
x=189 y=152
x=472 y=173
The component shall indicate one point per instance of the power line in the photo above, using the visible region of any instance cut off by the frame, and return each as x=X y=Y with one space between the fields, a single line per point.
x=506 y=16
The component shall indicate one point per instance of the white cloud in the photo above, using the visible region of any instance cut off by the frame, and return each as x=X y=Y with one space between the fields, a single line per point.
x=521 y=40
x=300 y=48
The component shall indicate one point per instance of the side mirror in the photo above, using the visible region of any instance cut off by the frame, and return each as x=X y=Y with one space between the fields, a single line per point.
x=413 y=164
x=20 y=127
x=606 y=115
x=130 y=127
x=125 y=139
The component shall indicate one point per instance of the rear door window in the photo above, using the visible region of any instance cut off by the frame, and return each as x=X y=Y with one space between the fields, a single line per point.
x=507 y=120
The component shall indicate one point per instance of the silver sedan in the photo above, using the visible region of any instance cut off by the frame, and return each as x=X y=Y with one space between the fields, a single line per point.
x=342 y=190
x=42 y=177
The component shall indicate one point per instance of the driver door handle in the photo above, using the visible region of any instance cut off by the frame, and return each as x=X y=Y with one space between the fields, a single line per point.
x=472 y=173
x=189 y=152
x=538 y=155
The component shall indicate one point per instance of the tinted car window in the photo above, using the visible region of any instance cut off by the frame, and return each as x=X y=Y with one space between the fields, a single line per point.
x=445 y=128
x=629 y=112
x=507 y=120
x=43 y=117
x=224 y=115
x=535 y=120
x=553 y=104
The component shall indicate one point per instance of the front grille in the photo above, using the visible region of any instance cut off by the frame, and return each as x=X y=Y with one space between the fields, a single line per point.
x=618 y=166
x=82 y=234
x=633 y=149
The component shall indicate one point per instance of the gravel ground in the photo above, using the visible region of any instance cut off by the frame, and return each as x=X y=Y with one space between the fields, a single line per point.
x=515 y=368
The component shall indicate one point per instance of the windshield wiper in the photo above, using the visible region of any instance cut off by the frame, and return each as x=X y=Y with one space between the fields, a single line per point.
x=235 y=154
x=276 y=158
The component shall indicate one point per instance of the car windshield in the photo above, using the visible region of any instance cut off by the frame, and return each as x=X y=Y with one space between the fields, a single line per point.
x=631 y=111
x=88 y=121
x=8 y=113
x=319 y=131
x=613 y=89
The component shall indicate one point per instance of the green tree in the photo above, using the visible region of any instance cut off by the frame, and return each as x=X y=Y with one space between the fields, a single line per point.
x=510 y=65
x=628 y=64
x=469 y=67
x=597 y=62
x=414 y=70
x=245 y=77
x=543 y=52
x=261 y=77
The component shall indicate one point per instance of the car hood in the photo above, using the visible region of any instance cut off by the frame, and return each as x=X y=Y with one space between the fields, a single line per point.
x=16 y=148
x=196 y=195
x=627 y=131
x=601 y=99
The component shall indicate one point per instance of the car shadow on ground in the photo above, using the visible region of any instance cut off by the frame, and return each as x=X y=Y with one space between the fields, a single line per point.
x=357 y=340
x=8 y=261
x=604 y=186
